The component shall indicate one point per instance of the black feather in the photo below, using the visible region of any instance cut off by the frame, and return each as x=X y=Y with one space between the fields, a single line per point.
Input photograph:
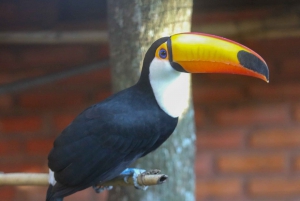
x=50 y=195
x=105 y=138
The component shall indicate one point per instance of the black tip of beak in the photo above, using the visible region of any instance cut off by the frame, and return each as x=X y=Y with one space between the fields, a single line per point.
x=253 y=63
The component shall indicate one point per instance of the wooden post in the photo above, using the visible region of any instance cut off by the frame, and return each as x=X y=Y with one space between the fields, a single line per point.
x=133 y=27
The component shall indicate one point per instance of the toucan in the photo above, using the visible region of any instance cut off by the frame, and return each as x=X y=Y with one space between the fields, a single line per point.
x=104 y=139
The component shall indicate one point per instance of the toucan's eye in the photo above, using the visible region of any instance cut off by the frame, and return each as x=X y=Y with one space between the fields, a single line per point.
x=163 y=53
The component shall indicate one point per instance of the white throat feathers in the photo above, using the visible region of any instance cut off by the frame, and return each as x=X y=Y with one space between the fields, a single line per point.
x=51 y=178
x=171 y=88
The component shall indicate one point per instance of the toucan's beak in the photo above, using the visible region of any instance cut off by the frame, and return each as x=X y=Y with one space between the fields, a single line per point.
x=204 y=53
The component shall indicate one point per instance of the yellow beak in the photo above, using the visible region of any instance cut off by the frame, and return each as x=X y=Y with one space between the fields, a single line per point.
x=204 y=53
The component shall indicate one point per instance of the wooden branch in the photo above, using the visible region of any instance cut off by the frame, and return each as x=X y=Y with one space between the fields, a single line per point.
x=41 y=179
x=24 y=179
x=31 y=82
x=53 y=37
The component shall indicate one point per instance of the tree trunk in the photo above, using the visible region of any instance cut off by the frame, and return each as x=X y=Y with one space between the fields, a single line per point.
x=133 y=26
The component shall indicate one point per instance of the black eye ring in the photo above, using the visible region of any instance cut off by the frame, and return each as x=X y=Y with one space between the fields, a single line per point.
x=163 y=53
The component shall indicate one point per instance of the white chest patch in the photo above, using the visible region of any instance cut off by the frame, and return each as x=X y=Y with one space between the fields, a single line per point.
x=171 y=88
x=51 y=178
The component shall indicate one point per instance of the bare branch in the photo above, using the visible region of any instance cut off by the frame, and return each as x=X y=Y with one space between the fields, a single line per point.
x=41 y=179
x=24 y=179
x=54 y=37
x=31 y=82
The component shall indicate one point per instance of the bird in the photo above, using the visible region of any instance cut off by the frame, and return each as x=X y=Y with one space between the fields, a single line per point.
x=104 y=139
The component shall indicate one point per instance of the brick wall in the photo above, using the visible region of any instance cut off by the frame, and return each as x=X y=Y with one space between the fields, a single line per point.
x=247 y=131
x=30 y=120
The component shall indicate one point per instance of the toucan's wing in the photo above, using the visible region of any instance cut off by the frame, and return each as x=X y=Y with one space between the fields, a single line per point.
x=103 y=140
x=96 y=148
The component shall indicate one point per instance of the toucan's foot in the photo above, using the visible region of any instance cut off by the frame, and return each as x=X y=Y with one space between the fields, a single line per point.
x=100 y=189
x=134 y=172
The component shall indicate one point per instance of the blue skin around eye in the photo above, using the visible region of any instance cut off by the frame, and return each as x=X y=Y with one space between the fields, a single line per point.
x=163 y=53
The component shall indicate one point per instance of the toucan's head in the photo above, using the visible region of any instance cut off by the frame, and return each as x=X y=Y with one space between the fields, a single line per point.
x=204 y=53
x=169 y=59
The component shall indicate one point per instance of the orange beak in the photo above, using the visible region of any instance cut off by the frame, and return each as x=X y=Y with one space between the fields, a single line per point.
x=204 y=53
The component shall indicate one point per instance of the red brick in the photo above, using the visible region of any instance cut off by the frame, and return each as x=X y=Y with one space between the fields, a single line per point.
x=251 y=163
x=263 y=47
x=39 y=146
x=87 y=194
x=274 y=187
x=20 y=124
x=217 y=139
x=9 y=77
x=7 y=193
x=297 y=112
x=203 y=164
x=8 y=12
x=100 y=78
x=296 y=163
x=6 y=78
x=6 y=102
x=275 y=92
x=10 y=147
x=37 y=193
x=32 y=193
x=199 y=117
x=44 y=13
x=50 y=55
x=33 y=167
x=93 y=85
x=61 y=121
x=23 y=167
x=291 y=67
x=103 y=95
x=253 y=115
x=275 y=138
x=225 y=15
x=51 y=100
x=217 y=188
x=102 y=52
x=7 y=55
x=217 y=94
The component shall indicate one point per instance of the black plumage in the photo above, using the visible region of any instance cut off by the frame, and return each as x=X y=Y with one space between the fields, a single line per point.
x=107 y=137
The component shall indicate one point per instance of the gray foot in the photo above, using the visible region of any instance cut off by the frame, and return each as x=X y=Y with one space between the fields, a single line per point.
x=100 y=189
x=134 y=172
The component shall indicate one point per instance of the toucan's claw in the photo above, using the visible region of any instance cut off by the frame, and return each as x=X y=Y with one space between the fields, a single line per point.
x=100 y=189
x=134 y=172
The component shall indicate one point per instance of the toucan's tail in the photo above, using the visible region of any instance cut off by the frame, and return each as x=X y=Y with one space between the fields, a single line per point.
x=50 y=194
x=59 y=191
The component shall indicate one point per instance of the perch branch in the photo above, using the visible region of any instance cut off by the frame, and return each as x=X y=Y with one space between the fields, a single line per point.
x=41 y=179
x=21 y=179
